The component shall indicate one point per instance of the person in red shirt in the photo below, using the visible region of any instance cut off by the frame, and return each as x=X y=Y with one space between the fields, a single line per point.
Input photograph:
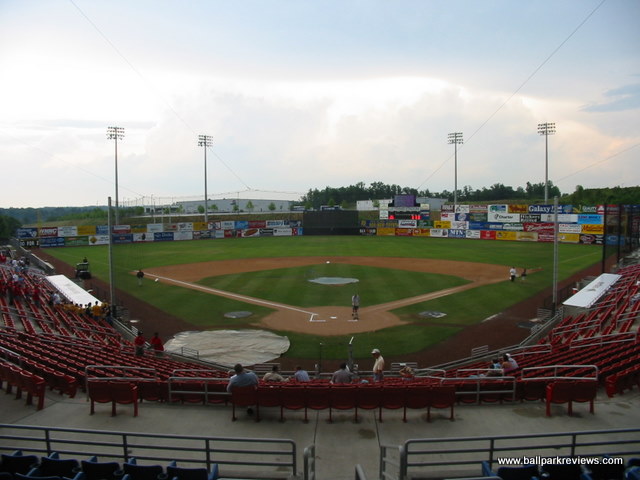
x=156 y=344
x=139 y=343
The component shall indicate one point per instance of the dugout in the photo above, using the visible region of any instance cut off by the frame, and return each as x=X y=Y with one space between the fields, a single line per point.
x=331 y=222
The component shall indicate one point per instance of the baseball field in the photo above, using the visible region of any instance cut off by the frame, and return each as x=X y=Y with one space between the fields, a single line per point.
x=416 y=293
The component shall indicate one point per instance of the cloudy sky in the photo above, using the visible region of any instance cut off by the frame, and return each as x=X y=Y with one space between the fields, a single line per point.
x=300 y=94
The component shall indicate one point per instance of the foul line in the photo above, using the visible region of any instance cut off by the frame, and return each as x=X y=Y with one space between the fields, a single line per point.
x=236 y=296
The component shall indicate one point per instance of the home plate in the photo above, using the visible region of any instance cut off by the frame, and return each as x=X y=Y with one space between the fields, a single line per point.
x=333 y=318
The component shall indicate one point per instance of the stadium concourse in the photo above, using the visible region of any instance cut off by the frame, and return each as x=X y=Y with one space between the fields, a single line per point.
x=53 y=361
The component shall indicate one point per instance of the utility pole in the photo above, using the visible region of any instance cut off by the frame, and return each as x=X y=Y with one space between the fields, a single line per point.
x=205 y=141
x=546 y=129
x=115 y=133
x=455 y=138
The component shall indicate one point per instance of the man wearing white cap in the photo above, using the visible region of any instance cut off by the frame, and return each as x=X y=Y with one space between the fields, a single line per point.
x=378 y=365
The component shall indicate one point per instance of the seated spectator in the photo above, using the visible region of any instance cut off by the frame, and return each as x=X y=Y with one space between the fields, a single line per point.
x=406 y=371
x=273 y=375
x=495 y=370
x=343 y=375
x=508 y=364
x=242 y=378
x=301 y=375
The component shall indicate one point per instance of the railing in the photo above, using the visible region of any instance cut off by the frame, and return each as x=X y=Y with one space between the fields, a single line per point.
x=550 y=372
x=309 y=458
x=481 y=386
x=236 y=457
x=462 y=456
x=174 y=384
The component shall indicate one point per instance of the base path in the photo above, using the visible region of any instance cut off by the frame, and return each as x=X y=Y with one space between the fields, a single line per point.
x=331 y=320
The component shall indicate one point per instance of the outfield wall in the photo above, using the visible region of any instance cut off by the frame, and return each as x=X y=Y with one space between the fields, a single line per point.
x=592 y=225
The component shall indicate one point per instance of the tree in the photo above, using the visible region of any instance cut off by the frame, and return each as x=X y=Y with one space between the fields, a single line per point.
x=200 y=209
x=249 y=206
x=272 y=206
x=8 y=226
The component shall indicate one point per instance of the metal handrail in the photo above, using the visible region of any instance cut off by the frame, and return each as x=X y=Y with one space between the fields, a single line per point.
x=247 y=453
x=453 y=454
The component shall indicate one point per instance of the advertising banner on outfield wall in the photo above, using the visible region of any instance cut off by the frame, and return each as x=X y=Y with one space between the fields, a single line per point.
x=515 y=227
x=282 y=232
x=569 y=228
x=86 y=230
x=422 y=232
x=591 y=219
x=545 y=237
x=155 y=228
x=368 y=231
x=99 y=240
x=48 y=232
x=568 y=237
x=462 y=209
x=138 y=229
x=76 y=241
x=538 y=227
x=121 y=229
x=183 y=235
x=456 y=233
x=593 y=229
x=118 y=239
x=27 y=232
x=477 y=217
x=448 y=217
x=498 y=209
x=67 y=231
x=477 y=209
x=518 y=208
x=102 y=230
x=487 y=235
x=439 y=232
x=527 y=236
x=257 y=224
x=163 y=237
x=142 y=237
x=473 y=234
x=459 y=225
x=503 y=217
x=506 y=236
x=200 y=226
x=241 y=224
x=442 y=224
x=404 y=232
x=530 y=218
x=591 y=239
x=386 y=231
x=404 y=223
x=275 y=223
x=51 y=242
x=219 y=234
x=449 y=207
x=251 y=232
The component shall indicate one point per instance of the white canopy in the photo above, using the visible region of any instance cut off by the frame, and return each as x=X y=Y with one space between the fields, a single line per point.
x=590 y=294
x=70 y=290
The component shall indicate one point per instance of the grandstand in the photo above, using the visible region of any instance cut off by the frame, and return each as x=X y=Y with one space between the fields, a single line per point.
x=58 y=367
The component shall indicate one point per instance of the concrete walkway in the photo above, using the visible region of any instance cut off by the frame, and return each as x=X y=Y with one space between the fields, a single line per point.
x=339 y=445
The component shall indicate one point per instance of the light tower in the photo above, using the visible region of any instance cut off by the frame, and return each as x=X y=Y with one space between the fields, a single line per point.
x=205 y=141
x=115 y=133
x=455 y=138
x=546 y=129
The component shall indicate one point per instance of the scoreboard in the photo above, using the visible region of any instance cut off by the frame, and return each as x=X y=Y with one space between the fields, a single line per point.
x=405 y=207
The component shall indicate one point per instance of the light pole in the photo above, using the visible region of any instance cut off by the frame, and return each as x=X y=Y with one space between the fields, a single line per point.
x=115 y=133
x=205 y=141
x=455 y=138
x=546 y=129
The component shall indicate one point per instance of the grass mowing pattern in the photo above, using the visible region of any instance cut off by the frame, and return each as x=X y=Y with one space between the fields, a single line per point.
x=206 y=311
x=292 y=286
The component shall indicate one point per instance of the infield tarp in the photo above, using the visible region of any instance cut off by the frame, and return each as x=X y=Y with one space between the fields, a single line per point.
x=71 y=290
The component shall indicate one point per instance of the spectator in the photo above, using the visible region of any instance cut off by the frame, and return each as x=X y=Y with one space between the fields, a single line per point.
x=378 y=365
x=406 y=372
x=343 y=375
x=242 y=378
x=273 y=375
x=301 y=375
x=156 y=344
x=139 y=342
x=509 y=364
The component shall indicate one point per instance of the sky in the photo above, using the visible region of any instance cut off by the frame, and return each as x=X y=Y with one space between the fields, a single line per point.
x=302 y=94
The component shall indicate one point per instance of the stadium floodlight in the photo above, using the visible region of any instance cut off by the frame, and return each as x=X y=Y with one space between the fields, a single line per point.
x=205 y=141
x=116 y=133
x=546 y=129
x=455 y=138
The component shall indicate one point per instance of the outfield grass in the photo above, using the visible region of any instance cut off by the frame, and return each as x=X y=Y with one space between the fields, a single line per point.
x=464 y=308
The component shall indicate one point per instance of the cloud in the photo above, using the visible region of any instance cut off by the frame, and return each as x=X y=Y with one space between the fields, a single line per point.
x=620 y=99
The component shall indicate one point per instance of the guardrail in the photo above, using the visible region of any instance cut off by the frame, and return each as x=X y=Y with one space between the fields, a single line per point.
x=236 y=457
x=462 y=456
